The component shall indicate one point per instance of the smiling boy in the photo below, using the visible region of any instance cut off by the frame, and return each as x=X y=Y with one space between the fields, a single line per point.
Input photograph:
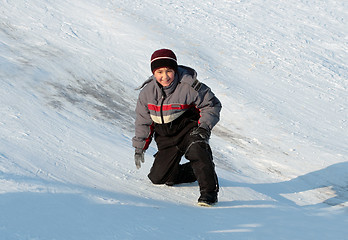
x=181 y=112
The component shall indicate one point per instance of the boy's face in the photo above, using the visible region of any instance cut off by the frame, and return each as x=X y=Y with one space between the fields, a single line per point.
x=164 y=76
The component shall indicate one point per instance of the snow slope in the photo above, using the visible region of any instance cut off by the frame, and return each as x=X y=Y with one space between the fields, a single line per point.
x=68 y=70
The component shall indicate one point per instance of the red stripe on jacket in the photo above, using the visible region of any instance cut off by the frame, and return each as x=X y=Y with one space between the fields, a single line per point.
x=149 y=138
x=168 y=107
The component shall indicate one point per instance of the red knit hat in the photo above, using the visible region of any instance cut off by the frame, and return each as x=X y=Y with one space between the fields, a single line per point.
x=163 y=58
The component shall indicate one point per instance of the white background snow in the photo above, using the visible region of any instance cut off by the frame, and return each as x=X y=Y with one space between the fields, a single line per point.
x=68 y=70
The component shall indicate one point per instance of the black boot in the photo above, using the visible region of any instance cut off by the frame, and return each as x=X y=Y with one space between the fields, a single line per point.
x=207 y=199
x=185 y=175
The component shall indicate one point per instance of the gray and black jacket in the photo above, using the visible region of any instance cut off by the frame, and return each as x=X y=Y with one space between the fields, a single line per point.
x=168 y=111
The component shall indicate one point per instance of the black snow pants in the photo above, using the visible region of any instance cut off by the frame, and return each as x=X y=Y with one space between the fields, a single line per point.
x=167 y=169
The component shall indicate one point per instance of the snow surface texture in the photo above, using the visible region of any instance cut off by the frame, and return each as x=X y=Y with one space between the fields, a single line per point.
x=68 y=70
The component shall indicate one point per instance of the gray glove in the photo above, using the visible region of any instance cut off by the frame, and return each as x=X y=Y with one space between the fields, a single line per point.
x=139 y=157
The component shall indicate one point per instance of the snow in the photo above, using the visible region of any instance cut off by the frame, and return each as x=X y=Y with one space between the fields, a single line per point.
x=68 y=73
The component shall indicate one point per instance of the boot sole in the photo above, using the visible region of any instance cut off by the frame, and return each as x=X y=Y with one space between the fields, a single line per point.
x=203 y=204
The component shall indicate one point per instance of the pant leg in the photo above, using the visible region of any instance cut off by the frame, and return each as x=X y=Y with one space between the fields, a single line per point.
x=200 y=156
x=165 y=167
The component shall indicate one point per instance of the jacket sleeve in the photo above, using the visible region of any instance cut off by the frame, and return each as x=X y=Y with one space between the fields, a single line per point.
x=209 y=107
x=143 y=125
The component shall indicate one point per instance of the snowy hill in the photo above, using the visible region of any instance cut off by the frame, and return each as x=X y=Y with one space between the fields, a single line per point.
x=68 y=73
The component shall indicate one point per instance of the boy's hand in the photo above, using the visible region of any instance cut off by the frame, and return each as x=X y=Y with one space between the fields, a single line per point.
x=139 y=157
x=201 y=132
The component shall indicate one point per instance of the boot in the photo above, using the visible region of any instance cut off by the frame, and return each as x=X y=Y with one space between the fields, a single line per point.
x=185 y=175
x=207 y=199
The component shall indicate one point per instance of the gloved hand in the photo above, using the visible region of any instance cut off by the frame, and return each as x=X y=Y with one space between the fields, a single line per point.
x=139 y=157
x=201 y=132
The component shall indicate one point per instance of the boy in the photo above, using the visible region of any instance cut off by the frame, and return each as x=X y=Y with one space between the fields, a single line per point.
x=181 y=112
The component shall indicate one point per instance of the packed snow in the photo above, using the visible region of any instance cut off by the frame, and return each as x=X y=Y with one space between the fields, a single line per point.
x=68 y=74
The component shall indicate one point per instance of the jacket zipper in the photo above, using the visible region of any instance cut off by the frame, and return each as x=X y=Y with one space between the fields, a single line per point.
x=162 y=118
x=161 y=110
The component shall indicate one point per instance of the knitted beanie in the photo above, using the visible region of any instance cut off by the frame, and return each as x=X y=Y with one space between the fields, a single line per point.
x=163 y=58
